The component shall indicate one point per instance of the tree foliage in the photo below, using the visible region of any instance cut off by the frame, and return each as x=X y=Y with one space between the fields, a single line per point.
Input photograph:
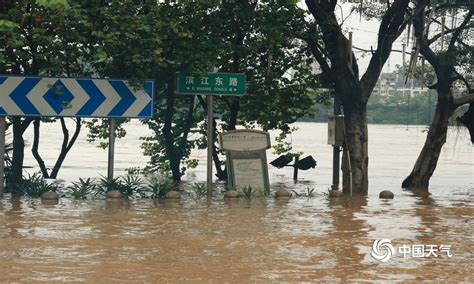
x=44 y=38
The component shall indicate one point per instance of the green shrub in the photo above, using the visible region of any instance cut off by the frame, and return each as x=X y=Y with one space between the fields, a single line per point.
x=265 y=192
x=130 y=184
x=247 y=191
x=82 y=188
x=33 y=186
x=106 y=184
x=199 y=189
x=157 y=187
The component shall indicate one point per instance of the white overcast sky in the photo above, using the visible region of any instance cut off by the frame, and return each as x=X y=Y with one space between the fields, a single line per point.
x=364 y=35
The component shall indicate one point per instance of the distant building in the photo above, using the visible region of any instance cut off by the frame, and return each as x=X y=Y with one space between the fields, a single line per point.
x=393 y=82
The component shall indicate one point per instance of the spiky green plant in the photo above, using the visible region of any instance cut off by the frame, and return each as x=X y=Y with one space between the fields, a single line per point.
x=130 y=184
x=199 y=189
x=82 y=188
x=309 y=193
x=265 y=192
x=157 y=187
x=247 y=191
x=33 y=186
x=105 y=184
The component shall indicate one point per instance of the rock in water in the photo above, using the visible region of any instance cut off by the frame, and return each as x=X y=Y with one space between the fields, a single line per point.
x=386 y=194
x=50 y=195
x=114 y=194
x=231 y=194
x=282 y=193
x=172 y=195
x=336 y=193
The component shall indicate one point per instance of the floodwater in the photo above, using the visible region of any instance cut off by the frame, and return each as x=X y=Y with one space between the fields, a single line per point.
x=258 y=240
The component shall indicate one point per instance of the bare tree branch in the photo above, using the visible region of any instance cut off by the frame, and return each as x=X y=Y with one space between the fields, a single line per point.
x=460 y=29
x=337 y=47
x=318 y=54
x=463 y=79
x=425 y=50
x=390 y=29
x=446 y=31
x=463 y=100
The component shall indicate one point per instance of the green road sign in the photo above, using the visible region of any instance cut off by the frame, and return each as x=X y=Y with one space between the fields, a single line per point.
x=227 y=84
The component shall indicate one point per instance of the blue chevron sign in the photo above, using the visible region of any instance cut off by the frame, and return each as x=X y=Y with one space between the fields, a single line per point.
x=74 y=97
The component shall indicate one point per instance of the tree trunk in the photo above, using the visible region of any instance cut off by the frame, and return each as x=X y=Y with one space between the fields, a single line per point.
x=221 y=174
x=468 y=120
x=234 y=112
x=35 y=146
x=66 y=146
x=19 y=128
x=172 y=156
x=357 y=183
x=427 y=160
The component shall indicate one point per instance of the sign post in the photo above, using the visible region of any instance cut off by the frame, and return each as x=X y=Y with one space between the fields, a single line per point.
x=110 y=165
x=210 y=84
x=210 y=142
x=31 y=96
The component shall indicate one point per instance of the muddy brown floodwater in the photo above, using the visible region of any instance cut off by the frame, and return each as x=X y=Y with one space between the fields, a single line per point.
x=261 y=240
x=300 y=239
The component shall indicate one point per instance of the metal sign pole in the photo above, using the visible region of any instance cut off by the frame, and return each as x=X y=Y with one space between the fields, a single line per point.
x=2 y=154
x=336 y=148
x=210 y=143
x=110 y=169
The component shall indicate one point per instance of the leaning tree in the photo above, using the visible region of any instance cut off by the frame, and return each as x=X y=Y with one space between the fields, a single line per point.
x=452 y=62
x=340 y=68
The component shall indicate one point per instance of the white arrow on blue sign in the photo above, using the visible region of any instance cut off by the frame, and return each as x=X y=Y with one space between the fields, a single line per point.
x=74 y=97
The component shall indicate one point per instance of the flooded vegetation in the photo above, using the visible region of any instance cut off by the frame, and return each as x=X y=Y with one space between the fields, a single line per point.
x=256 y=239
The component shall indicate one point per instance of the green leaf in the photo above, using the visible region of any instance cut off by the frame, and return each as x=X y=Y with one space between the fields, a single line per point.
x=53 y=4
x=6 y=25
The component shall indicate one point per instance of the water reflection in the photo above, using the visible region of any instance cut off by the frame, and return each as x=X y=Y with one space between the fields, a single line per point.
x=238 y=240
x=351 y=232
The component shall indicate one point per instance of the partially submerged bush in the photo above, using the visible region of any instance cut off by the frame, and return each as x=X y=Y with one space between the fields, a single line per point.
x=198 y=189
x=33 y=186
x=157 y=187
x=129 y=185
x=82 y=188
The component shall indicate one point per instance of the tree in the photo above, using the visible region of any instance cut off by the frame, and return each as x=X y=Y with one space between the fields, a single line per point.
x=196 y=37
x=261 y=40
x=65 y=146
x=340 y=68
x=156 y=40
x=45 y=38
x=449 y=65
